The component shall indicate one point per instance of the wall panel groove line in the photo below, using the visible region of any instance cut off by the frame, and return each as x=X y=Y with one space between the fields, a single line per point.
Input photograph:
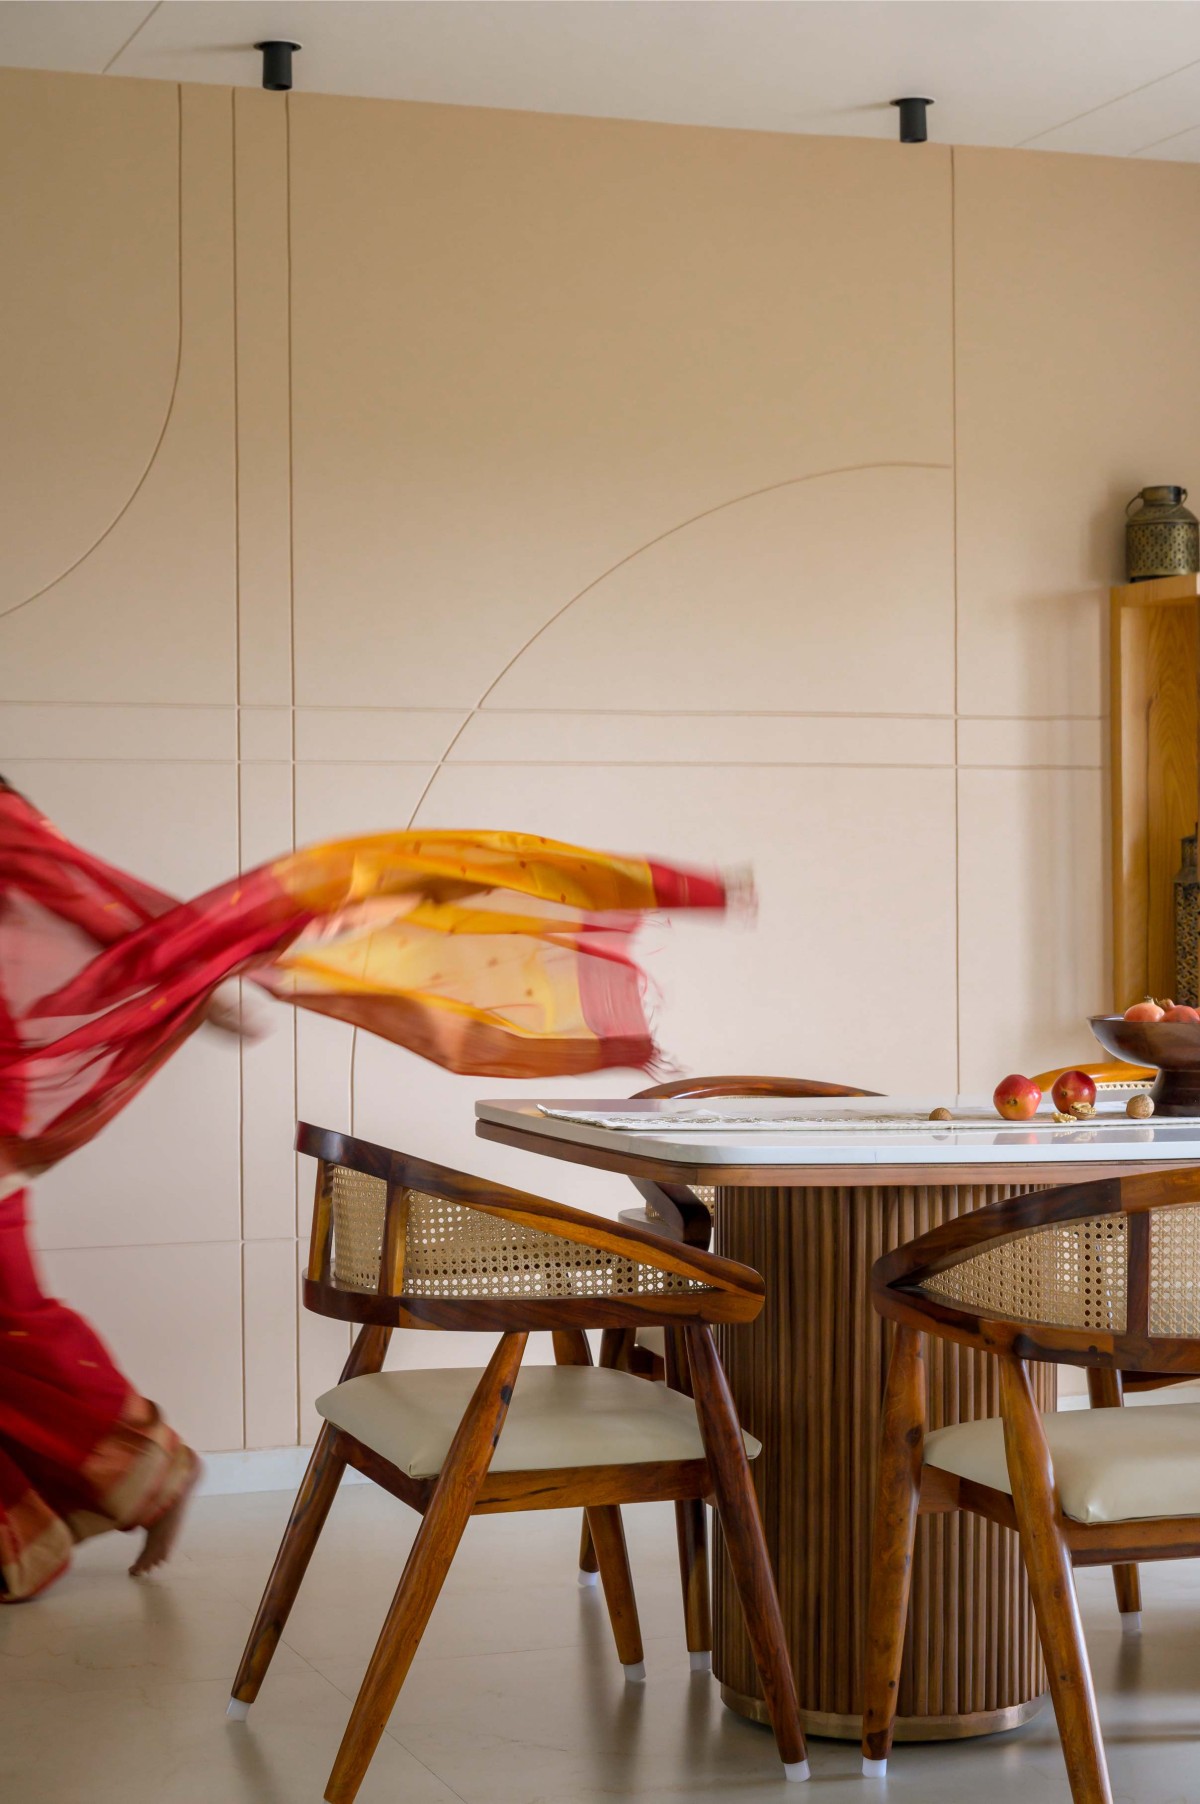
x=237 y=678
x=958 y=1061
x=291 y=471
x=549 y=763
x=630 y=557
x=17 y=606
x=615 y=711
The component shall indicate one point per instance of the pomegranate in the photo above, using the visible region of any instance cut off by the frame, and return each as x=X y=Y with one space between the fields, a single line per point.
x=1071 y=1088
x=1016 y=1097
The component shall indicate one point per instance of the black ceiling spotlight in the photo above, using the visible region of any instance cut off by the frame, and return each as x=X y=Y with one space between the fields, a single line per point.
x=277 y=64
x=913 y=128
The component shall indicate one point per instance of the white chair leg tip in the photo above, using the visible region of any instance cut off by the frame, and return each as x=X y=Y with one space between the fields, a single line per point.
x=795 y=1769
x=701 y=1662
x=236 y=1710
x=874 y=1769
x=635 y=1673
x=587 y=1579
x=1131 y=1622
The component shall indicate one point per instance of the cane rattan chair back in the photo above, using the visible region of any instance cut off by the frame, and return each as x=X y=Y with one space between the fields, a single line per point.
x=1103 y=1275
x=400 y=1243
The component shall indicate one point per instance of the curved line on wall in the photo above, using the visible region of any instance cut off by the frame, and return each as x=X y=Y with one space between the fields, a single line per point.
x=706 y=513
x=6 y=613
x=769 y=488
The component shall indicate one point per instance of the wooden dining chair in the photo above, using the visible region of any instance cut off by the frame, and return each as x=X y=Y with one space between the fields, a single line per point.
x=1104 y=1275
x=685 y=1212
x=399 y=1243
x=1108 y=1390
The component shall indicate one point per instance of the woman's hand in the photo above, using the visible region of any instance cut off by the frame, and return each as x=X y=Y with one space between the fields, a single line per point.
x=229 y=1012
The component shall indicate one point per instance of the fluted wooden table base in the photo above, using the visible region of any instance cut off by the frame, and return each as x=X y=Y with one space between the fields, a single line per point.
x=808 y=1378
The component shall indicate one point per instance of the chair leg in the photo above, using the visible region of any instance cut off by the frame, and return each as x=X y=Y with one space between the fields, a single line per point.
x=1106 y=1391
x=691 y=1532
x=589 y=1565
x=895 y=1529
x=428 y=1563
x=313 y=1503
x=746 y=1546
x=1052 y=1585
x=608 y=1538
x=614 y=1353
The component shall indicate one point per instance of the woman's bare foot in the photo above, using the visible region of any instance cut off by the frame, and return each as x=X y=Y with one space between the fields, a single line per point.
x=161 y=1538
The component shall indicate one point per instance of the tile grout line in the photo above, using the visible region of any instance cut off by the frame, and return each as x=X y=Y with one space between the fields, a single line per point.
x=391 y=1735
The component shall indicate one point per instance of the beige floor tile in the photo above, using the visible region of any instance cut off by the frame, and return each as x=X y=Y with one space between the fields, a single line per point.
x=172 y=1741
x=114 y=1691
x=358 y=1564
x=99 y=1630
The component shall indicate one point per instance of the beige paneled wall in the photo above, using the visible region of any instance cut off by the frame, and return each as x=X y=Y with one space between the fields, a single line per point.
x=1076 y=378
x=713 y=493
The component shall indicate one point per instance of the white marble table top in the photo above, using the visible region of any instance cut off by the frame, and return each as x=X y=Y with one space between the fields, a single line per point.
x=1111 y=1137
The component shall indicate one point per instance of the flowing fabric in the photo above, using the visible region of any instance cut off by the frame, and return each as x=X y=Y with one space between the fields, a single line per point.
x=499 y=954
x=494 y=953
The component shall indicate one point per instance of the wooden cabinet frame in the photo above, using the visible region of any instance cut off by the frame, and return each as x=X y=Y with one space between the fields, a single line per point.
x=1155 y=630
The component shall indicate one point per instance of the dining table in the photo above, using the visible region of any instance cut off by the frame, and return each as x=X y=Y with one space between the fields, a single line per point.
x=811 y=1194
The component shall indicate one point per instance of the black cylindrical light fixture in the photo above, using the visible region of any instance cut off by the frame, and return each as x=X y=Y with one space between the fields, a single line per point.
x=913 y=127
x=277 y=64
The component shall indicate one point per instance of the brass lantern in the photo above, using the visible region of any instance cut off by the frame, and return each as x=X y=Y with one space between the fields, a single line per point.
x=1163 y=537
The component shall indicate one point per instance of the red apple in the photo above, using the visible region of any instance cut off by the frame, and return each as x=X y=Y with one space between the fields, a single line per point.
x=1073 y=1087
x=1181 y=1012
x=1144 y=1011
x=1016 y=1098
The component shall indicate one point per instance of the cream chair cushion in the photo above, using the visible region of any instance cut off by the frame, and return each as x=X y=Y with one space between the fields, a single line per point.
x=559 y=1416
x=1111 y=1465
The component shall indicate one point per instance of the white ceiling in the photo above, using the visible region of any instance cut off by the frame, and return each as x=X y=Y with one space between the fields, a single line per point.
x=1109 y=77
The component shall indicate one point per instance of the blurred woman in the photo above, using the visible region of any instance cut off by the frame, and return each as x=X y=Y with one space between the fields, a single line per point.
x=498 y=954
x=81 y=1450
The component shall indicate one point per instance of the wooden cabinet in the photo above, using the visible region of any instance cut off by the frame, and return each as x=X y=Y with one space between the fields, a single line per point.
x=1155 y=773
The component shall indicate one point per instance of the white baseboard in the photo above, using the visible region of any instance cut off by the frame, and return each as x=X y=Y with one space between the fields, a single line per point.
x=1171 y=1393
x=260 y=1469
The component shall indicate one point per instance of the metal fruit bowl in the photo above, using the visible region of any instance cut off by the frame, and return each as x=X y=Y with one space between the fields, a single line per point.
x=1171 y=1047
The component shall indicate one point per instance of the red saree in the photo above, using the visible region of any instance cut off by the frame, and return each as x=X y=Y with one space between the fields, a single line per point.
x=80 y=1450
x=493 y=953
